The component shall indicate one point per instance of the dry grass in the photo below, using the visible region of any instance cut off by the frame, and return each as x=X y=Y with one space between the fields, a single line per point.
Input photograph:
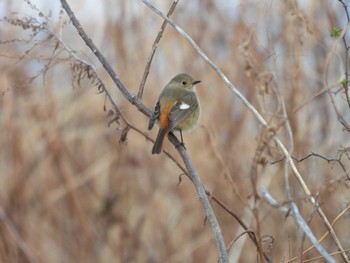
x=70 y=192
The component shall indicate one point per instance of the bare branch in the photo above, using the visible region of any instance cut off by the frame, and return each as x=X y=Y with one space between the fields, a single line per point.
x=154 y=47
x=341 y=151
x=210 y=63
x=130 y=97
x=203 y=198
x=300 y=222
x=306 y=229
x=134 y=100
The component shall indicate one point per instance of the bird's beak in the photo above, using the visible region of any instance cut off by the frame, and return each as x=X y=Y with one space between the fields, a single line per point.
x=196 y=82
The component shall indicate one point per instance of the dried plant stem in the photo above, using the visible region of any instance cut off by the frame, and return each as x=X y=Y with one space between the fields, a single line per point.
x=324 y=236
x=23 y=247
x=313 y=201
x=262 y=121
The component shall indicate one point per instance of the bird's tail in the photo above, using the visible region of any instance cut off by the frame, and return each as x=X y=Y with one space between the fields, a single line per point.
x=158 y=144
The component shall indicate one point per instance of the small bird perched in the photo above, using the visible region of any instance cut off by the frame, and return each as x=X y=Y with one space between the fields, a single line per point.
x=177 y=109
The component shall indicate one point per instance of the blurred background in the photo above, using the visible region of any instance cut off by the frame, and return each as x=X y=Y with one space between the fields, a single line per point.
x=71 y=192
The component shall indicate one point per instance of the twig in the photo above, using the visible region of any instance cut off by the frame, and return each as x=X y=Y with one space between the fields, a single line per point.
x=210 y=63
x=306 y=229
x=272 y=201
x=312 y=200
x=318 y=258
x=326 y=159
x=260 y=119
x=130 y=97
x=141 y=107
x=154 y=47
x=336 y=160
x=250 y=234
x=308 y=221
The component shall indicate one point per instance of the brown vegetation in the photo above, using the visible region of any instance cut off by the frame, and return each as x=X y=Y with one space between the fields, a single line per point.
x=72 y=191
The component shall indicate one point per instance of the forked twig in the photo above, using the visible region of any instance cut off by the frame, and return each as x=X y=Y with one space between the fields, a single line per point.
x=141 y=107
x=334 y=160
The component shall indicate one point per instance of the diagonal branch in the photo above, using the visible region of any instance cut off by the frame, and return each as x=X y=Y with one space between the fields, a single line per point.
x=263 y=122
x=205 y=202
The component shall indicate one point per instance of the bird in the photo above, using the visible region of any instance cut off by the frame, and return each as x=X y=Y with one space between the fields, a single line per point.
x=177 y=109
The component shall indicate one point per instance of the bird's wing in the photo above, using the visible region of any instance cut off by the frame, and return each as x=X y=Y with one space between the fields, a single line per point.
x=154 y=116
x=181 y=110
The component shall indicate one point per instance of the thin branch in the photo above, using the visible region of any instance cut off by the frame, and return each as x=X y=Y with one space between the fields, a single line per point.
x=299 y=221
x=272 y=201
x=210 y=63
x=316 y=259
x=251 y=234
x=308 y=221
x=326 y=159
x=336 y=160
x=145 y=110
x=306 y=229
x=333 y=223
x=154 y=47
x=129 y=96
x=312 y=200
x=260 y=119
x=324 y=235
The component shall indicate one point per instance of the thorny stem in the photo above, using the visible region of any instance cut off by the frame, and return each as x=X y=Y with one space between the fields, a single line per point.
x=336 y=160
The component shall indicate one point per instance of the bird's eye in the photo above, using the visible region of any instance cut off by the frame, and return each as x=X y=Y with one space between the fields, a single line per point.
x=184 y=82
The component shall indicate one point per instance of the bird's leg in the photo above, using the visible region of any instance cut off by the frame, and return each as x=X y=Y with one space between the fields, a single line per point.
x=182 y=140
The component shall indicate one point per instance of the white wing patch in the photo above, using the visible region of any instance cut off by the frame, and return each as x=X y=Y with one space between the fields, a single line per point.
x=184 y=106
